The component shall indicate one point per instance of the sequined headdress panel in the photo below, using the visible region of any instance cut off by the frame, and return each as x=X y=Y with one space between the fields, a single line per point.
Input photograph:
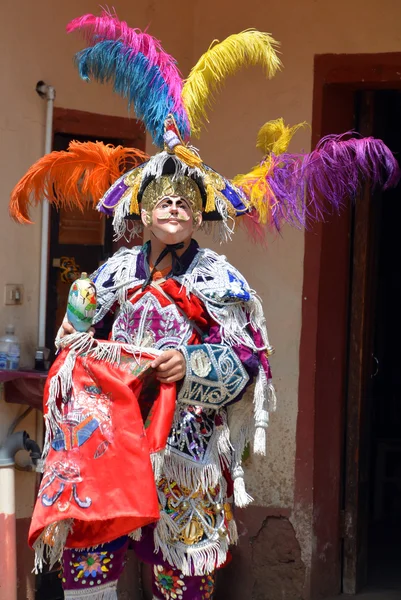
x=182 y=186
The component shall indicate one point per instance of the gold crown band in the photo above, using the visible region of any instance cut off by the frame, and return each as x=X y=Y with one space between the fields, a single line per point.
x=166 y=185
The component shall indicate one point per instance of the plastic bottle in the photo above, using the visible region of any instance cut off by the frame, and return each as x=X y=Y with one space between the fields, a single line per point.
x=3 y=354
x=9 y=349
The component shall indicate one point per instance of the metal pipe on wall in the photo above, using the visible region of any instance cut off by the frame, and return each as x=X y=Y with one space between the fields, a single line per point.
x=48 y=93
x=16 y=441
x=8 y=563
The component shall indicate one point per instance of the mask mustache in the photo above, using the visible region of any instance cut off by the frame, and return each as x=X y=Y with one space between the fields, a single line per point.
x=168 y=216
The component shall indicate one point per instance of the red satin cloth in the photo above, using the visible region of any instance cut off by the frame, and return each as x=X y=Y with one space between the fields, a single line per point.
x=98 y=470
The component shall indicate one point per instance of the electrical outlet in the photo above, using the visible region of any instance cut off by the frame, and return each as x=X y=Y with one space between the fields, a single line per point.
x=13 y=294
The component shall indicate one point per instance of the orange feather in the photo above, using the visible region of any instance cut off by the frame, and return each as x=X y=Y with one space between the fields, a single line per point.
x=73 y=177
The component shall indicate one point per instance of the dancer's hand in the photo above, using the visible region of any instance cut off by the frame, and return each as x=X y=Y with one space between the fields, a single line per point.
x=170 y=366
x=67 y=329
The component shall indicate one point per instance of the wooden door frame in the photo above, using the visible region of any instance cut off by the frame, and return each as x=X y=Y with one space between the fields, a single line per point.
x=130 y=132
x=79 y=122
x=323 y=344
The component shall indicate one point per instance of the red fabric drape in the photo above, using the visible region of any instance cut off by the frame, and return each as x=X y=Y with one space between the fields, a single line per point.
x=98 y=470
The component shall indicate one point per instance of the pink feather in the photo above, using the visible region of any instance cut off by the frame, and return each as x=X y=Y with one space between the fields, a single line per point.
x=109 y=27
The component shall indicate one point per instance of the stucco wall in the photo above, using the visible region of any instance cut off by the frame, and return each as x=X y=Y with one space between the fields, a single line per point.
x=304 y=28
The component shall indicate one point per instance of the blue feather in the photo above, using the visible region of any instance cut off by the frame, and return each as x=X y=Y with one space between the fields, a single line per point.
x=133 y=78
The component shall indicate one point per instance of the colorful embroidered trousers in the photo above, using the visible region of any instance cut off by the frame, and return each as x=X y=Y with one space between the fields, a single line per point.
x=93 y=575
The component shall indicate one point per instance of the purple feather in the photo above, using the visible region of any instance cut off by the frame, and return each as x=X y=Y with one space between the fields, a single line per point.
x=307 y=187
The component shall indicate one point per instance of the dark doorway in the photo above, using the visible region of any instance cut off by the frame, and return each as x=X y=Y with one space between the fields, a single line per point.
x=333 y=488
x=372 y=437
x=81 y=241
x=384 y=515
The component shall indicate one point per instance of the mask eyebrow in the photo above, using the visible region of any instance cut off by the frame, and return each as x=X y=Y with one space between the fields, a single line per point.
x=179 y=202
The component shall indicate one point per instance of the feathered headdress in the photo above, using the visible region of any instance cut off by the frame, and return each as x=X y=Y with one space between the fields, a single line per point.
x=302 y=188
x=283 y=187
x=73 y=177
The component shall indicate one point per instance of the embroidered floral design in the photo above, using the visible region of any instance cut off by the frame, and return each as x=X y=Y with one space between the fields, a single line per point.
x=86 y=413
x=92 y=564
x=169 y=585
x=149 y=324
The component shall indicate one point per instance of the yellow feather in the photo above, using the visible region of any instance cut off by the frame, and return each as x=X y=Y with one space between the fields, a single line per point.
x=248 y=48
x=258 y=192
x=275 y=136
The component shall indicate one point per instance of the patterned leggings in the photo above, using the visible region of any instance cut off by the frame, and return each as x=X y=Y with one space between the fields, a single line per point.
x=93 y=575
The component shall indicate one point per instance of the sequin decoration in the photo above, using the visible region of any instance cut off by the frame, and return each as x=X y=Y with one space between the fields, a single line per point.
x=197 y=515
x=192 y=432
x=207 y=587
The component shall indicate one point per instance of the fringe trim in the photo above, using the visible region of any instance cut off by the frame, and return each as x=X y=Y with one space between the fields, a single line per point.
x=136 y=535
x=123 y=227
x=60 y=384
x=58 y=532
x=189 y=474
x=233 y=317
x=154 y=167
x=157 y=460
x=122 y=267
x=108 y=591
x=189 y=560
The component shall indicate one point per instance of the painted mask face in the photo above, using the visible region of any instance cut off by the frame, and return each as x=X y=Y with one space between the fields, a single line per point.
x=172 y=220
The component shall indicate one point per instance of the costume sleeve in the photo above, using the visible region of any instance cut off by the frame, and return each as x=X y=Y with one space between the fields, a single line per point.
x=214 y=376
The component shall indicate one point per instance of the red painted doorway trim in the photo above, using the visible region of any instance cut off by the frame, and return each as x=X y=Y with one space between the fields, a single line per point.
x=323 y=346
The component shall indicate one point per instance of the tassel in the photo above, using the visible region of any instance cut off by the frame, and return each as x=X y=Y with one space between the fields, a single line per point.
x=241 y=497
x=187 y=156
x=134 y=206
x=259 y=440
x=51 y=543
x=210 y=198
